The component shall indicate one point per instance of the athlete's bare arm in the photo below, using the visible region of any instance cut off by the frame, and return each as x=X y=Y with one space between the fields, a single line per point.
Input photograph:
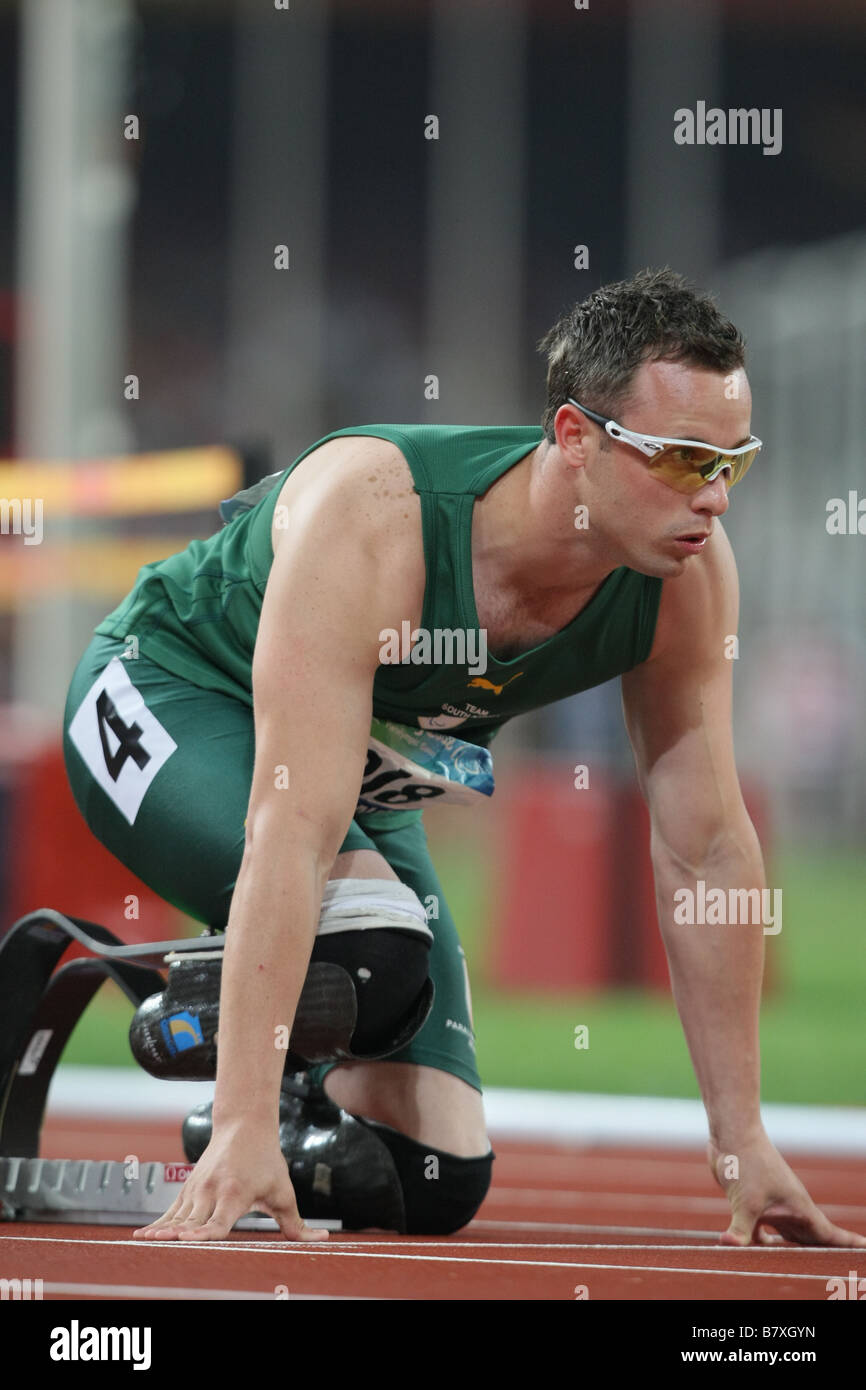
x=348 y=564
x=678 y=713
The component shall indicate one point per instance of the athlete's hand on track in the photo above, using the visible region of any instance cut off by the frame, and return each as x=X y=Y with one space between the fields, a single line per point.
x=767 y=1193
x=241 y=1170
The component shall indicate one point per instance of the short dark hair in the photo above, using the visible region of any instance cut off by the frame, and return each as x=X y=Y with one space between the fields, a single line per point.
x=595 y=348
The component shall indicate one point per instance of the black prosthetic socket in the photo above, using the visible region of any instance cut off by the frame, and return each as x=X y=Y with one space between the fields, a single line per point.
x=172 y=1033
x=389 y=969
x=365 y=996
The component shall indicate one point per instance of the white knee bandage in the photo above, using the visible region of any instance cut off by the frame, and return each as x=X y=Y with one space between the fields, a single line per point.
x=358 y=904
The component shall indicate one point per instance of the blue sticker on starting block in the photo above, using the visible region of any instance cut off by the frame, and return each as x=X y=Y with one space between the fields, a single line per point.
x=181 y=1032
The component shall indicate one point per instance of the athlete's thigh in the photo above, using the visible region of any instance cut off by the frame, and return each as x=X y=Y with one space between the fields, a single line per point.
x=161 y=772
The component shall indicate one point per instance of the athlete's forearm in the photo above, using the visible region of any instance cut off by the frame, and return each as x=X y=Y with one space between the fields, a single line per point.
x=716 y=973
x=269 y=937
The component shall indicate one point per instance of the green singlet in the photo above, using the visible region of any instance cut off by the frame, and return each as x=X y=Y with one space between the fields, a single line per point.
x=170 y=800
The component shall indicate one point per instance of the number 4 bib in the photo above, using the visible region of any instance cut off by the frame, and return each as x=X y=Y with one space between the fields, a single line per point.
x=122 y=743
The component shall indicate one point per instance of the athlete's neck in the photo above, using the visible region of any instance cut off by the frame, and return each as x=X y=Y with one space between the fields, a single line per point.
x=524 y=531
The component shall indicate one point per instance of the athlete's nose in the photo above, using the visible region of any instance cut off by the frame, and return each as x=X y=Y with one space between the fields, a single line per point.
x=713 y=497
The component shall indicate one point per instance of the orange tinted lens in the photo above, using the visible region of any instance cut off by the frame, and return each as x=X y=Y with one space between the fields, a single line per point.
x=685 y=466
x=682 y=466
x=742 y=464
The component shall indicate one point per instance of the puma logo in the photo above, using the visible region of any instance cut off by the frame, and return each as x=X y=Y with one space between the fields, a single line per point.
x=482 y=683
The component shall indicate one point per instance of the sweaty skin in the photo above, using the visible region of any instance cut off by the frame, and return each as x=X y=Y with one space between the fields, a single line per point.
x=349 y=562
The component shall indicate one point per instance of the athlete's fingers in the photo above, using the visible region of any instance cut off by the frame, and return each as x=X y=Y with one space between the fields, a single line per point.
x=292 y=1225
x=803 y=1224
x=812 y=1227
x=228 y=1210
x=193 y=1206
x=735 y=1235
x=848 y=1239
x=744 y=1220
x=162 y=1230
x=217 y=1218
x=199 y=1215
x=765 y=1237
x=217 y=1226
x=158 y=1226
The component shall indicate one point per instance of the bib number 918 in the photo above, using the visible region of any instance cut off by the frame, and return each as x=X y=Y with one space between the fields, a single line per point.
x=393 y=787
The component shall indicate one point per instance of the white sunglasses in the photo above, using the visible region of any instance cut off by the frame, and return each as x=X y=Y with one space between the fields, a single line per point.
x=686 y=465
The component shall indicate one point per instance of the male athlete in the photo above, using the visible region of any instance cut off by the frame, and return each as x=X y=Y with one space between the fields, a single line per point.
x=226 y=756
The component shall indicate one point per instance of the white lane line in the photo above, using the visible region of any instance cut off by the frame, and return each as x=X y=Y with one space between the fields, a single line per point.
x=299 y=1248
x=388 y=1249
x=502 y=1263
x=96 y=1243
x=520 y=1196
x=480 y=1223
x=170 y=1292
x=392 y=1247
x=674 y=1269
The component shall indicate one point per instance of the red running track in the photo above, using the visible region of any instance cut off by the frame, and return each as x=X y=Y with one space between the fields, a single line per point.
x=559 y=1223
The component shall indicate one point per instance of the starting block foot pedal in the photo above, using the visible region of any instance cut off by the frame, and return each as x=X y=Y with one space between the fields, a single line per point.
x=88 y=1192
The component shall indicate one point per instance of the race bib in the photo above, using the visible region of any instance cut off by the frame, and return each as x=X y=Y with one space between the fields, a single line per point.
x=408 y=768
x=123 y=744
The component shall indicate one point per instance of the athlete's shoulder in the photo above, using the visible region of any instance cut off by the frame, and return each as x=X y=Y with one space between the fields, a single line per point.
x=348 y=553
x=427 y=437
x=437 y=458
x=464 y=458
x=354 y=500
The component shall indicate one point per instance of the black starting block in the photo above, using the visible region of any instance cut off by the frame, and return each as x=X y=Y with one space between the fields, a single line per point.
x=84 y=1192
x=39 y=1008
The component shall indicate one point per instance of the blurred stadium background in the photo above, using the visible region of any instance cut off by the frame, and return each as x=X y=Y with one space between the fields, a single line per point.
x=153 y=358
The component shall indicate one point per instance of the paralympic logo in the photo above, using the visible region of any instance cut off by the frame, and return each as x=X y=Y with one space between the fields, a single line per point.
x=181 y=1032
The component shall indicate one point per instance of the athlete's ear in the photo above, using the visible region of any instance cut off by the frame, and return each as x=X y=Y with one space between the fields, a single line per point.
x=572 y=435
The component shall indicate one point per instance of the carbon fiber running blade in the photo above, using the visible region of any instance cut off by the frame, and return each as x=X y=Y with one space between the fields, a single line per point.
x=88 y=1192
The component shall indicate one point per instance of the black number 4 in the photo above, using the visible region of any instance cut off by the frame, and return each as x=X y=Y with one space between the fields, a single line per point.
x=128 y=734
